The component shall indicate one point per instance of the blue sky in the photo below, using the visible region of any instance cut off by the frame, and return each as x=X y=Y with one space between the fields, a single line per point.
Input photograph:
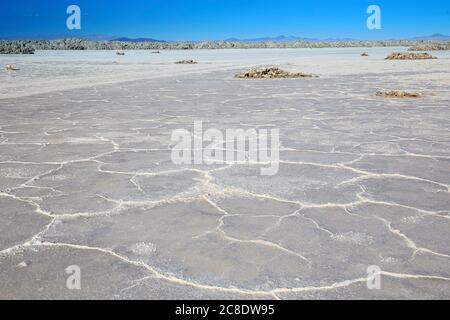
x=222 y=19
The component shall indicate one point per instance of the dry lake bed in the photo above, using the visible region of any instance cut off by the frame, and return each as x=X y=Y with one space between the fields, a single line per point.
x=87 y=180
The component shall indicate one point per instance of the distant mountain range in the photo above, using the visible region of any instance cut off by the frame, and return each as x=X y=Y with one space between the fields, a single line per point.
x=275 y=39
x=282 y=38
x=125 y=39
x=436 y=36
x=279 y=39
x=285 y=39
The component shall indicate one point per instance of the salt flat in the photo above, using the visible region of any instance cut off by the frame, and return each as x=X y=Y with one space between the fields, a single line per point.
x=86 y=177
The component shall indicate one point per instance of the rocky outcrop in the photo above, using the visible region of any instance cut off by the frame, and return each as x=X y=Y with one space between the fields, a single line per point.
x=432 y=46
x=16 y=48
x=398 y=94
x=409 y=56
x=81 y=44
x=186 y=62
x=271 y=73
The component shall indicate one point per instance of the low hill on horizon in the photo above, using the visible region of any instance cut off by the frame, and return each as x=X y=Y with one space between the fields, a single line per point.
x=126 y=39
x=278 y=39
x=282 y=38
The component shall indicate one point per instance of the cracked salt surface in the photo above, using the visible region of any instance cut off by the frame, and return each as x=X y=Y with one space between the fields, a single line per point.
x=86 y=179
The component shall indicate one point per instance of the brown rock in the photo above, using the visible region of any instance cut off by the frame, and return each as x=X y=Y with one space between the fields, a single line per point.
x=186 y=62
x=398 y=94
x=409 y=56
x=271 y=73
x=9 y=67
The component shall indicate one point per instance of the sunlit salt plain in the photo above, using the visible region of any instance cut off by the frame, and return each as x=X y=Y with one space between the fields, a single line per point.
x=87 y=178
x=50 y=70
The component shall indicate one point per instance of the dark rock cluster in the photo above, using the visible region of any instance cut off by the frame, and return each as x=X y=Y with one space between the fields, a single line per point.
x=186 y=62
x=15 y=48
x=82 y=44
x=272 y=73
x=398 y=94
x=409 y=56
x=431 y=46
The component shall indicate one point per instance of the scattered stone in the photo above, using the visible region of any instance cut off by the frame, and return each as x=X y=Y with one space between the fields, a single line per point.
x=156 y=52
x=186 y=62
x=398 y=94
x=409 y=56
x=24 y=264
x=365 y=54
x=272 y=73
x=9 y=67
x=120 y=53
